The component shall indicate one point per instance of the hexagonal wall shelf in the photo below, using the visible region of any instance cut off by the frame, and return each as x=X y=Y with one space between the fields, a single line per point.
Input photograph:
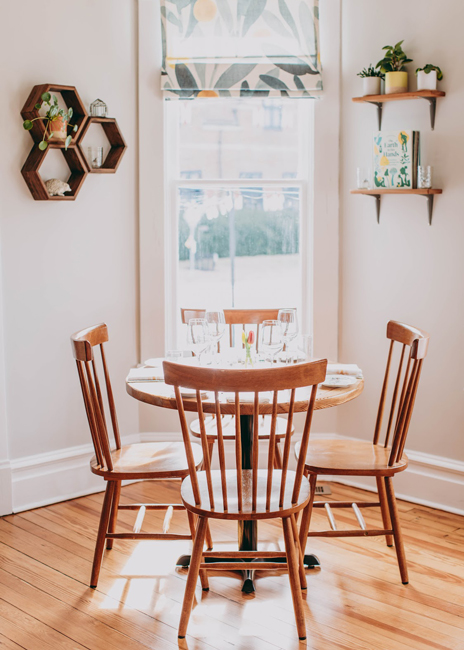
x=117 y=142
x=36 y=185
x=74 y=157
x=71 y=99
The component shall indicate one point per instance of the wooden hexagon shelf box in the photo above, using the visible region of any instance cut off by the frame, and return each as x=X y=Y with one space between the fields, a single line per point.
x=71 y=99
x=74 y=157
x=117 y=144
x=36 y=185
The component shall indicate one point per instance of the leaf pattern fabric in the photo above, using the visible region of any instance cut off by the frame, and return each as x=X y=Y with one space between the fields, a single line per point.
x=224 y=48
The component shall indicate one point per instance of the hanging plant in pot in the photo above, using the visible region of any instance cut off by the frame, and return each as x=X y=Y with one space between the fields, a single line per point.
x=371 y=80
x=428 y=76
x=396 y=78
x=56 y=122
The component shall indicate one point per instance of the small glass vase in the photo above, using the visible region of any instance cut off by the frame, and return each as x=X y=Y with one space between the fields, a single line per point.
x=248 y=356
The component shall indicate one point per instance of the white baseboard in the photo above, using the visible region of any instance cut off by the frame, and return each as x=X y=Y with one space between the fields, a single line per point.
x=56 y=476
x=429 y=480
x=6 y=503
x=34 y=481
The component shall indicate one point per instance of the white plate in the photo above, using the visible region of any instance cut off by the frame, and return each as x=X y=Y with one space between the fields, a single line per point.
x=339 y=381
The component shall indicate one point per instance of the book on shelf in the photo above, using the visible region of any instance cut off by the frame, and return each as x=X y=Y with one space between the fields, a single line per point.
x=396 y=157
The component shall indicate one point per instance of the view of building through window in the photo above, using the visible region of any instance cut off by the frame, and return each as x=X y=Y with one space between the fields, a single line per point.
x=238 y=173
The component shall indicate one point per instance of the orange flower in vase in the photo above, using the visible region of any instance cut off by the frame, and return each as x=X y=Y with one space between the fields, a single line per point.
x=248 y=342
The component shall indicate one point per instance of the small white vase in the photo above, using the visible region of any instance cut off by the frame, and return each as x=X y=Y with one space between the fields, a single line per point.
x=427 y=81
x=371 y=85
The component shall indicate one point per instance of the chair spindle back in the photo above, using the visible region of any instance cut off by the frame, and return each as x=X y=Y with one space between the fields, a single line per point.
x=236 y=318
x=83 y=343
x=414 y=348
x=256 y=381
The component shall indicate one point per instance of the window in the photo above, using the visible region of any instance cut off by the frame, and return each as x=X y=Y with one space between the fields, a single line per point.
x=238 y=224
x=253 y=196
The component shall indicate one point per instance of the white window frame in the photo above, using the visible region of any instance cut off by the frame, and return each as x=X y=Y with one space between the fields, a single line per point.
x=152 y=294
x=303 y=182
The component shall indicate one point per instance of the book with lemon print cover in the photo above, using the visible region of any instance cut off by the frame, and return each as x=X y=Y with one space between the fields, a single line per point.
x=396 y=156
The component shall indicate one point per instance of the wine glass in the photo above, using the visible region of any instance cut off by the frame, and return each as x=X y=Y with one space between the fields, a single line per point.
x=198 y=336
x=216 y=326
x=271 y=337
x=289 y=322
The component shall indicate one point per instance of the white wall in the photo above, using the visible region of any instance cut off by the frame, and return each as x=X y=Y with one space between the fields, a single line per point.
x=65 y=265
x=404 y=269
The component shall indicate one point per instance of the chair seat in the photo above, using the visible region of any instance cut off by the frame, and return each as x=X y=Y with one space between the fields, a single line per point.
x=232 y=501
x=228 y=427
x=147 y=460
x=343 y=457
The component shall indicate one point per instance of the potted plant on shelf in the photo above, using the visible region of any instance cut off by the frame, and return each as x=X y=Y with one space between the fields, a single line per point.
x=56 y=122
x=396 y=78
x=428 y=76
x=371 y=80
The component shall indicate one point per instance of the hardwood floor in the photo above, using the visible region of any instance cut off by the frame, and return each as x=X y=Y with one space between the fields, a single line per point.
x=356 y=601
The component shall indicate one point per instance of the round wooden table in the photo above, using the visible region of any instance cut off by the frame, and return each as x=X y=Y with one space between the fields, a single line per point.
x=159 y=394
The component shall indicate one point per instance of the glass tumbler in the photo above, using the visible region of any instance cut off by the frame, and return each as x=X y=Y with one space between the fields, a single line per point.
x=424 y=177
x=95 y=157
x=362 y=178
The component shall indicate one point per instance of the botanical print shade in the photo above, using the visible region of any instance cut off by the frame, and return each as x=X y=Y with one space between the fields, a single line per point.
x=224 y=48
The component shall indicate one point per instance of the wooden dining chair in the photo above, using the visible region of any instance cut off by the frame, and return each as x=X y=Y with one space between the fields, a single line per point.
x=241 y=320
x=363 y=458
x=246 y=494
x=148 y=460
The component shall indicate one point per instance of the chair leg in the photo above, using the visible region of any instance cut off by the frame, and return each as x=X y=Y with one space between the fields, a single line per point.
x=397 y=534
x=307 y=512
x=292 y=561
x=192 y=577
x=203 y=573
x=277 y=456
x=210 y=449
x=384 y=508
x=209 y=539
x=301 y=569
x=114 y=514
x=102 y=530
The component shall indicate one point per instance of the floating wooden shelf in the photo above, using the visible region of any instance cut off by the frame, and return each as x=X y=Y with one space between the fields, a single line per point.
x=379 y=100
x=36 y=185
x=70 y=97
x=380 y=191
x=117 y=142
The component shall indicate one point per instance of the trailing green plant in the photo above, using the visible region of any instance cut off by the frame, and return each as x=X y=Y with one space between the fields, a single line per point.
x=370 y=72
x=54 y=113
x=428 y=68
x=394 y=60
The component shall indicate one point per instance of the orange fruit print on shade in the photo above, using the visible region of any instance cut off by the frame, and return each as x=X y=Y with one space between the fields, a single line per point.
x=207 y=93
x=205 y=10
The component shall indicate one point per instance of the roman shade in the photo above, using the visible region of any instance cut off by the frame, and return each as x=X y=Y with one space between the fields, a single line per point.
x=225 y=48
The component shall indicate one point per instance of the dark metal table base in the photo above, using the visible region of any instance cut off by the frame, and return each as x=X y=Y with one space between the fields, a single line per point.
x=311 y=562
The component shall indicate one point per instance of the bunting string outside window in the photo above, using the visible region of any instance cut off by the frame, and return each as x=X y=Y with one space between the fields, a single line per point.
x=246 y=48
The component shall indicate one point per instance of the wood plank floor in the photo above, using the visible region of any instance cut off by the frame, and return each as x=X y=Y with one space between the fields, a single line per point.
x=355 y=601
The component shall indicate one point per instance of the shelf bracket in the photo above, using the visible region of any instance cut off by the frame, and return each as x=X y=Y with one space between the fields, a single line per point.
x=433 y=108
x=429 y=198
x=377 y=205
x=379 y=112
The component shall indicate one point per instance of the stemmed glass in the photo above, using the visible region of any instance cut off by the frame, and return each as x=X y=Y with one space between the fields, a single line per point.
x=216 y=326
x=198 y=336
x=271 y=337
x=289 y=322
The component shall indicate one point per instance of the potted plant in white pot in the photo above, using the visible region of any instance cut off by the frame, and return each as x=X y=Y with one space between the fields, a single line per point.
x=396 y=78
x=428 y=76
x=371 y=80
